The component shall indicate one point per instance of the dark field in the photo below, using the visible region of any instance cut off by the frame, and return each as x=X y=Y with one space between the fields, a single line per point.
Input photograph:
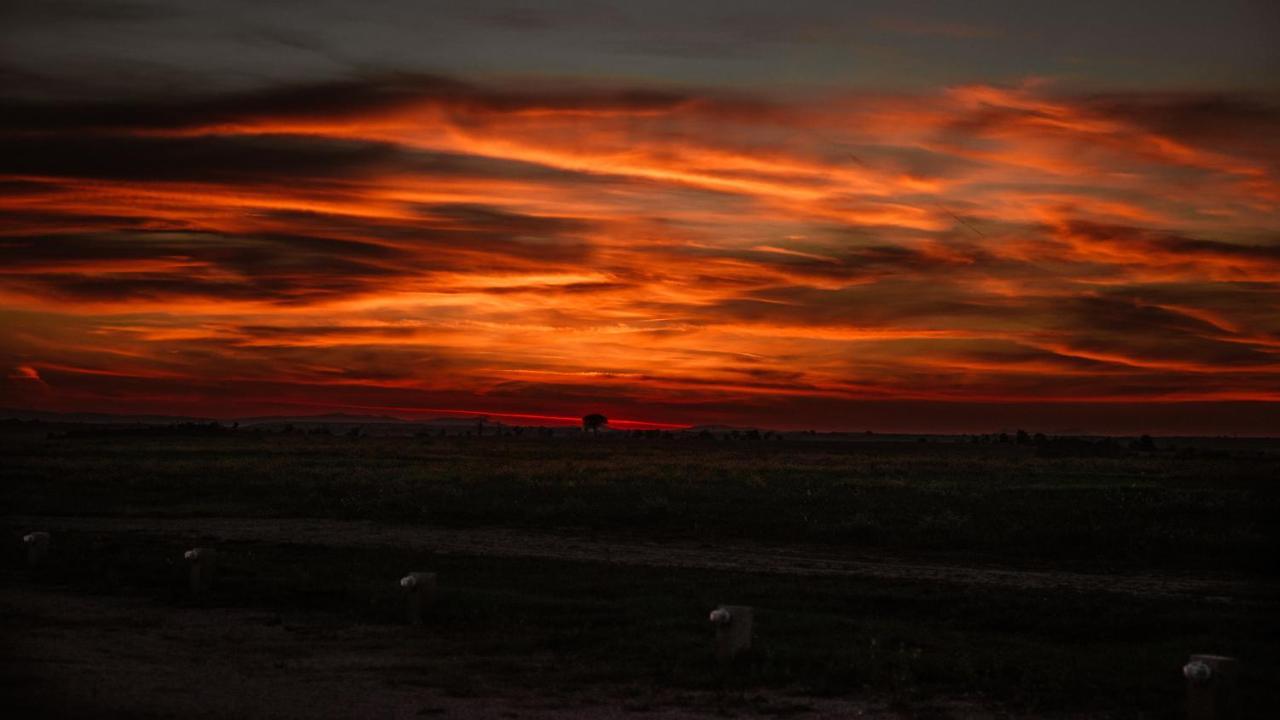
x=918 y=578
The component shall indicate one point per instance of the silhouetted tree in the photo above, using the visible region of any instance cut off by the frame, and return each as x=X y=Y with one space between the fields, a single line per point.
x=594 y=422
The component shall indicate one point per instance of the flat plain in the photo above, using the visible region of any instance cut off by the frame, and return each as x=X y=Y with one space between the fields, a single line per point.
x=939 y=577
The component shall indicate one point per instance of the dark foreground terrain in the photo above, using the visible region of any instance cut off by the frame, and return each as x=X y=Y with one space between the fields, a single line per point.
x=936 y=579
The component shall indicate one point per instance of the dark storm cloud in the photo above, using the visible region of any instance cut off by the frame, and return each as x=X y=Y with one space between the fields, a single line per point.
x=1154 y=335
x=119 y=266
x=293 y=332
x=253 y=159
x=1194 y=116
x=216 y=159
x=483 y=218
x=1116 y=315
x=1251 y=304
x=453 y=230
x=325 y=256
x=1160 y=244
x=167 y=286
x=319 y=100
x=1180 y=245
x=877 y=304
x=582 y=288
x=20 y=223
x=324 y=100
x=859 y=263
x=1010 y=355
x=239 y=252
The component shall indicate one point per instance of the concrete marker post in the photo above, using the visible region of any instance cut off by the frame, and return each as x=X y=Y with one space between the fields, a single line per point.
x=734 y=627
x=37 y=545
x=1211 y=687
x=203 y=569
x=419 y=594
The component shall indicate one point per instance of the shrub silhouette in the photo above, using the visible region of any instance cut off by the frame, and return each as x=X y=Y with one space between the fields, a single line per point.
x=594 y=422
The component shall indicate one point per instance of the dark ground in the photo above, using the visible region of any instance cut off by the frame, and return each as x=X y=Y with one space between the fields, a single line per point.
x=917 y=579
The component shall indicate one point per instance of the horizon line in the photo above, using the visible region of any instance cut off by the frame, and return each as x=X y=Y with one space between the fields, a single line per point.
x=569 y=421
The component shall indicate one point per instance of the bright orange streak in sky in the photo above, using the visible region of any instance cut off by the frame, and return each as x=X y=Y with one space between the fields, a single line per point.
x=558 y=419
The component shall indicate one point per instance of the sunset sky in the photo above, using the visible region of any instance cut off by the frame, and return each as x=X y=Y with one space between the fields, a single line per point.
x=897 y=216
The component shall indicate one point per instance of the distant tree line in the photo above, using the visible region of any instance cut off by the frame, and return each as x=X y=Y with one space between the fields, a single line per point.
x=593 y=425
x=1069 y=446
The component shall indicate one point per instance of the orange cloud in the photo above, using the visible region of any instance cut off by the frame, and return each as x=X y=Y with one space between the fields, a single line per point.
x=528 y=249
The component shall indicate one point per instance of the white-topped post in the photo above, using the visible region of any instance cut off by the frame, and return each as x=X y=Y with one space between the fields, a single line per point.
x=733 y=625
x=37 y=546
x=419 y=590
x=202 y=563
x=1211 y=687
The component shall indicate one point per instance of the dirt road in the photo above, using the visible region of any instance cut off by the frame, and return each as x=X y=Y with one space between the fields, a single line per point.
x=738 y=556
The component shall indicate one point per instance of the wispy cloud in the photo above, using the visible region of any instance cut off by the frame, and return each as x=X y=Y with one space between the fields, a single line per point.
x=532 y=247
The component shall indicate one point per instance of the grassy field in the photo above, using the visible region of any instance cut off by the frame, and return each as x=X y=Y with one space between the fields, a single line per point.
x=552 y=624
